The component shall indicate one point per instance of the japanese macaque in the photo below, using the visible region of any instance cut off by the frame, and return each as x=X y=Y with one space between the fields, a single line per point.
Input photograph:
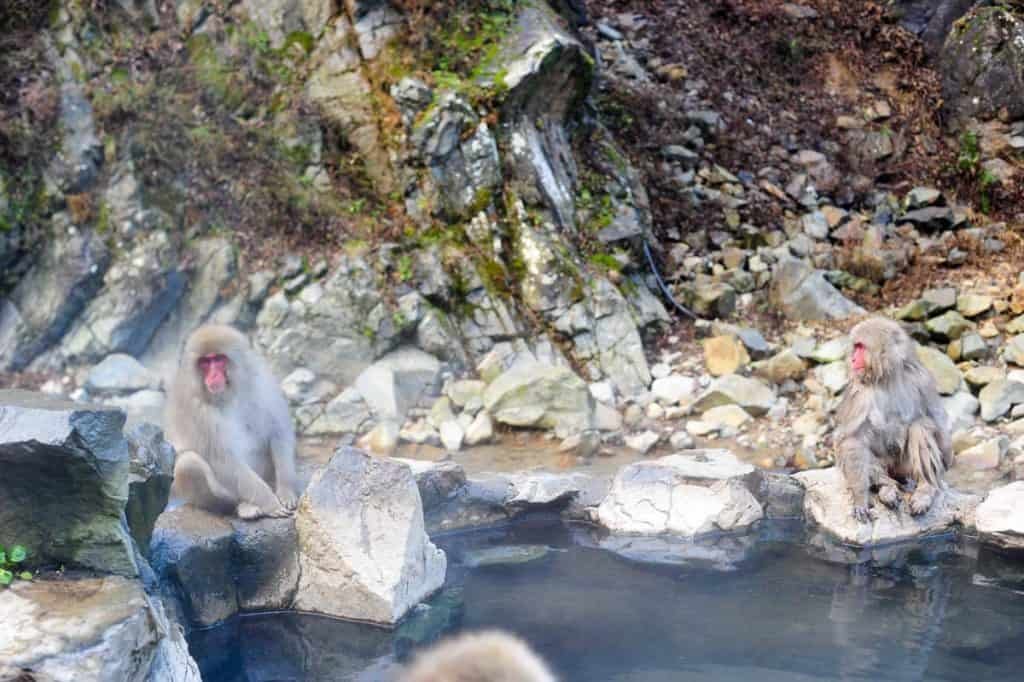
x=891 y=429
x=229 y=420
x=487 y=656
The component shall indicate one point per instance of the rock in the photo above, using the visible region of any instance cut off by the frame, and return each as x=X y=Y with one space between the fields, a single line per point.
x=481 y=430
x=750 y=394
x=961 y=408
x=980 y=64
x=920 y=197
x=781 y=367
x=47 y=300
x=89 y=628
x=972 y=346
x=711 y=299
x=940 y=300
x=986 y=455
x=916 y=311
x=280 y=18
x=831 y=351
x=732 y=416
x=834 y=376
x=947 y=376
x=119 y=374
x=603 y=391
x=979 y=377
x=437 y=482
x=220 y=566
x=973 y=305
x=681 y=440
x=397 y=381
x=463 y=392
x=998 y=397
x=364 y=561
x=948 y=326
x=382 y=439
x=752 y=339
x=149 y=483
x=724 y=355
x=452 y=436
x=673 y=389
x=803 y=293
x=66 y=472
x=829 y=505
x=642 y=442
x=541 y=396
x=1000 y=518
x=815 y=225
x=700 y=428
x=933 y=218
x=1013 y=351
x=346 y=413
x=688 y=494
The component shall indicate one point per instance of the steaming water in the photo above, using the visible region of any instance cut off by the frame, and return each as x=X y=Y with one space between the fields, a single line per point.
x=774 y=605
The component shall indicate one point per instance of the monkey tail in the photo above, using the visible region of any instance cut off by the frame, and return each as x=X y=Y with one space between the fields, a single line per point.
x=925 y=455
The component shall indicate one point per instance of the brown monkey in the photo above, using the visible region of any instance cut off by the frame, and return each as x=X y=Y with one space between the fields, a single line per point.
x=229 y=420
x=487 y=656
x=891 y=427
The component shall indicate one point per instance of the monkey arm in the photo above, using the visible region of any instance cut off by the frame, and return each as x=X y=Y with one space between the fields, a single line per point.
x=254 y=491
x=855 y=462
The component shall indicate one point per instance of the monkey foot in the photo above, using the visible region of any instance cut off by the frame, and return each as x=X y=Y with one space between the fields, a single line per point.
x=889 y=496
x=289 y=500
x=248 y=511
x=921 y=501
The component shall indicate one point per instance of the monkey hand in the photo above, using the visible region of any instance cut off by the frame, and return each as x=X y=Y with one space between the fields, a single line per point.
x=250 y=512
x=288 y=498
x=890 y=496
x=862 y=514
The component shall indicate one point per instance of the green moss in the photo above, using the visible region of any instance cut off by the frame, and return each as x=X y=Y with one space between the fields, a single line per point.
x=303 y=39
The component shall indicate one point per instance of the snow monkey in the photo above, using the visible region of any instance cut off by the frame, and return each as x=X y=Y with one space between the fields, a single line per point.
x=229 y=421
x=486 y=656
x=891 y=428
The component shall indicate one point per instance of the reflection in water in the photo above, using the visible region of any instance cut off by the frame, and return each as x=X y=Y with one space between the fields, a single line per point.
x=771 y=606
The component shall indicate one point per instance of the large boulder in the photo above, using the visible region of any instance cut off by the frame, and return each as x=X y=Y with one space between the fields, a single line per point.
x=149 y=483
x=97 y=628
x=829 y=505
x=363 y=550
x=220 y=566
x=66 y=471
x=982 y=65
x=542 y=396
x=396 y=382
x=689 y=493
x=1000 y=518
x=803 y=293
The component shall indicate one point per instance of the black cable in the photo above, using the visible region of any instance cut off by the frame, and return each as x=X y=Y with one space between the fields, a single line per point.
x=661 y=283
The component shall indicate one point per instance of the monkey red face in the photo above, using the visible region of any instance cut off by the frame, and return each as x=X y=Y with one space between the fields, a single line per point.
x=215 y=372
x=859 y=361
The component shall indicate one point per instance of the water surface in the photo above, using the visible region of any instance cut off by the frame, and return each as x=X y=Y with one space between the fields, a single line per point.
x=774 y=605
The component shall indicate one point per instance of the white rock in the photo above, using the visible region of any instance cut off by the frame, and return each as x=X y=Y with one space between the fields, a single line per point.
x=829 y=504
x=750 y=394
x=603 y=392
x=673 y=389
x=655 y=411
x=452 y=435
x=297 y=385
x=420 y=433
x=732 y=416
x=689 y=493
x=481 y=430
x=1000 y=518
x=382 y=439
x=607 y=418
x=642 y=442
x=120 y=373
x=985 y=455
x=961 y=408
x=681 y=440
x=660 y=370
x=699 y=428
x=363 y=549
x=834 y=376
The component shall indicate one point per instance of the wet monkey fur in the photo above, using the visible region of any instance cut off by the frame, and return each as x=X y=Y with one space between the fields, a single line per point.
x=486 y=656
x=228 y=418
x=891 y=429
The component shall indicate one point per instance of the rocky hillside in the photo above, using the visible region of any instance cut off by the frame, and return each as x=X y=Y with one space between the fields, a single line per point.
x=532 y=196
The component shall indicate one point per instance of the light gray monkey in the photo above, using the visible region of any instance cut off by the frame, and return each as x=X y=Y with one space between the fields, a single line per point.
x=486 y=656
x=229 y=421
x=891 y=427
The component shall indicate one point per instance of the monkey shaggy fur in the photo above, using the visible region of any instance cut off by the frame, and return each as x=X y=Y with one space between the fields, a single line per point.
x=236 y=443
x=891 y=427
x=489 y=656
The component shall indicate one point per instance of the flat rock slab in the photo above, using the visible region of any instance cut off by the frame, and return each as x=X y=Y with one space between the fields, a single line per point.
x=1000 y=518
x=829 y=505
x=221 y=566
x=688 y=494
x=64 y=477
x=72 y=630
x=363 y=549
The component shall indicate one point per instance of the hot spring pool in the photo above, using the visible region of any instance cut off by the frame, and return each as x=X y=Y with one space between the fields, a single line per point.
x=775 y=605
